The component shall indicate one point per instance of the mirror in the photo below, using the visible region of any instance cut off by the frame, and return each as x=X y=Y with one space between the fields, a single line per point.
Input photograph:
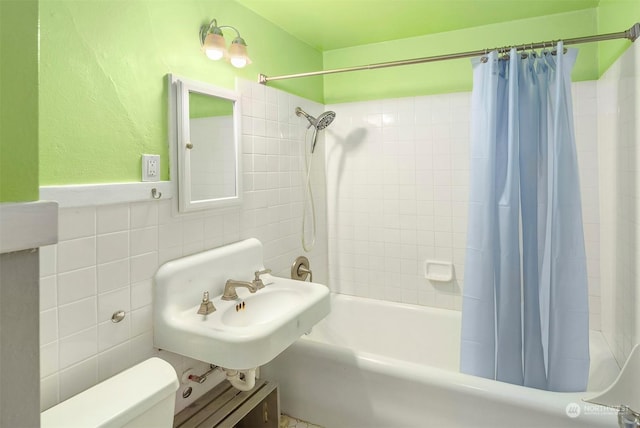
x=205 y=147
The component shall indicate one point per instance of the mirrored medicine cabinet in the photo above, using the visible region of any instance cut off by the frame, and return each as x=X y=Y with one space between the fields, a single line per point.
x=204 y=144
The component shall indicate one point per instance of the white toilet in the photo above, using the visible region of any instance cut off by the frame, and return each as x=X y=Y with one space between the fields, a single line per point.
x=142 y=396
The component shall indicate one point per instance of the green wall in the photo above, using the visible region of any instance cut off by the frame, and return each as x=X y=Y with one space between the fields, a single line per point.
x=454 y=75
x=615 y=16
x=451 y=75
x=103 y=95
x=18 y=100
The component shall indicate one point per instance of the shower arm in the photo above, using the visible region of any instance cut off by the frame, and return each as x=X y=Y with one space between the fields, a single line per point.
x=631 y=34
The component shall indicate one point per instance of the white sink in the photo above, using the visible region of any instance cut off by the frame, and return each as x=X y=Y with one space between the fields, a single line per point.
x=243 y=333
x=258 y=308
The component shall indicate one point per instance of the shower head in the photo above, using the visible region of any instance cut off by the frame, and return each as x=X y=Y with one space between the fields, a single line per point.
x=325 y=119
x=319 y=123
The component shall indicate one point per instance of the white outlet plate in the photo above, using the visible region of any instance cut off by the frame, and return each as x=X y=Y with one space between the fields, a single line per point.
x=150 y=167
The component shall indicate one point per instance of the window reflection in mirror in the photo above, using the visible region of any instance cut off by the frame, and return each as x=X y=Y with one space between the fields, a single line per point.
x=213 y=157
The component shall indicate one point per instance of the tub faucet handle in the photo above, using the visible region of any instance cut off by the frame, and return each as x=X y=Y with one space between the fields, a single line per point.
x=300 y=269
x=258 y=281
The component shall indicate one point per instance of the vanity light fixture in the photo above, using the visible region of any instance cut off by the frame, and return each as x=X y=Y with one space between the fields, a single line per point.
x=215 y=47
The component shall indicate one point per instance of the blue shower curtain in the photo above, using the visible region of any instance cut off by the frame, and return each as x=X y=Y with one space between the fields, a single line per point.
x=525 y=317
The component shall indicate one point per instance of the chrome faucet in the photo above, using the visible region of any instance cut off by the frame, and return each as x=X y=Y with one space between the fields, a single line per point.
x=232 y=284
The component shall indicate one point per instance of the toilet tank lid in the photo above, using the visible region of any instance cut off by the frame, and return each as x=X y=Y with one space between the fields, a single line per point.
x=116 y=400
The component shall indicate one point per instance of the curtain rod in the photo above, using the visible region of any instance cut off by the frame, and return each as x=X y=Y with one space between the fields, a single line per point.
x=632 y=34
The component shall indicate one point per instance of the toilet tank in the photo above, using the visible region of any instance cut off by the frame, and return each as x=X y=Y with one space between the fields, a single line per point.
x=142 y=396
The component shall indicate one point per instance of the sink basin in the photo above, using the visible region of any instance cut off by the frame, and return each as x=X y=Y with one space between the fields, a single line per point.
x=256 y=327
x=241 y=334
x=266 y=306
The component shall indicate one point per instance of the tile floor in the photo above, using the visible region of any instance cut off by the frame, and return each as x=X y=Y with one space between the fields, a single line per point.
x=287 y=421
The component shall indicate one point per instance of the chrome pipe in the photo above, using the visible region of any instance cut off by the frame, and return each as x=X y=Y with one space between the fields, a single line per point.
x=203 y=377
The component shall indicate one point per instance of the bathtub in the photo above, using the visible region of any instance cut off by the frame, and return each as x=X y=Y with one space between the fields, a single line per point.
x=380 y=364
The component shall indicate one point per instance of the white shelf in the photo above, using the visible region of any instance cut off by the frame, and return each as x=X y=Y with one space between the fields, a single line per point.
x=107 y=193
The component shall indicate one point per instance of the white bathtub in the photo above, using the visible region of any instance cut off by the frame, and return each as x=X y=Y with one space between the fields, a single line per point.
x=379 y=364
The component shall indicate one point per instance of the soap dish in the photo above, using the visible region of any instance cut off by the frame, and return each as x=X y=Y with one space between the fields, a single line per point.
x=435 y=270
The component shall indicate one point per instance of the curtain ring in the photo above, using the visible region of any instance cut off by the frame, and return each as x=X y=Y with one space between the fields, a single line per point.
x=523 y=54
x=484 y=58
x=545 y=51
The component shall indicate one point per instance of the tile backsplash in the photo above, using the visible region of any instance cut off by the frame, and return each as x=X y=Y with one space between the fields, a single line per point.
x=107 y=255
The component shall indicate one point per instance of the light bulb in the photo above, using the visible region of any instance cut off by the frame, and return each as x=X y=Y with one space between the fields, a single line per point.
x=214 y=54
x=214 y=46
x=238 y=61
x=238 y=53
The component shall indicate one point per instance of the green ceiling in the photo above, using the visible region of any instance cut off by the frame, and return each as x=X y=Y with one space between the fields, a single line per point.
x=333 y=24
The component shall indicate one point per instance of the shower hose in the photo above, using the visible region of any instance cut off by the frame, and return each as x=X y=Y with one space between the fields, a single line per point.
x=308 y=196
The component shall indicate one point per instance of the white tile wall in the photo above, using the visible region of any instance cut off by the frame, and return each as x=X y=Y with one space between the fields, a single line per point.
x=397 y=185
x=585 y=111
x=618 y=139
x=107 y=255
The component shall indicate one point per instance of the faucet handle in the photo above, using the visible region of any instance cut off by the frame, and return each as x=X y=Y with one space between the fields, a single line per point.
x=206 y=307
x=258 y=281
x=261 y=272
